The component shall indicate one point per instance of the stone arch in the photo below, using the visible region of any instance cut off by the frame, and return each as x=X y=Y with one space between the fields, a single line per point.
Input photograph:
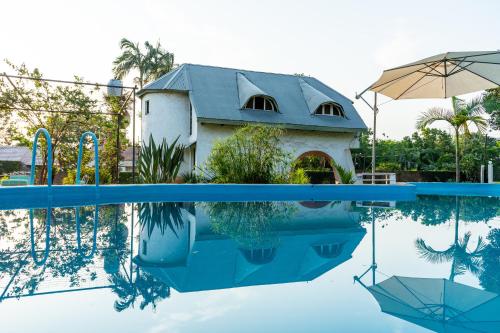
x=327 y=157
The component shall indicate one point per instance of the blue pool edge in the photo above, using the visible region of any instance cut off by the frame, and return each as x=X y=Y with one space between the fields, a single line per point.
x=71 y=195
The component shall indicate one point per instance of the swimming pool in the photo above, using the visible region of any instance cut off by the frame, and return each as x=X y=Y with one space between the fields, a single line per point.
x=339 y=264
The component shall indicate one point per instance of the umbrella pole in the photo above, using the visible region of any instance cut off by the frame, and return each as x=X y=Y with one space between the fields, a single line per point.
x=375 y=111
x=374 y=264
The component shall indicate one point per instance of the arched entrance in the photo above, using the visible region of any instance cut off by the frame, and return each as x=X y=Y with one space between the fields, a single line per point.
x=318 y=167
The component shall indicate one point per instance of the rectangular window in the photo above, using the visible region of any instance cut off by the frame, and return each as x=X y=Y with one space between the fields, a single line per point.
x=269 y=106
x=193 y=157
x=144 y=248
x=328 y=109
x=190 y=119
x=259 y=103
x=147 y=108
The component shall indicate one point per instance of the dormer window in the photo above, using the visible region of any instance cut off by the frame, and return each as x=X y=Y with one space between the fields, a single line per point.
x=261 y=103
x=330 y=109
x=259 y=256
x=329 y=251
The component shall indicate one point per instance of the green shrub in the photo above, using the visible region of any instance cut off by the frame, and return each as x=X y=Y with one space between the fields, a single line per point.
x=299 y=176
x=388 y=167
x=312 y=163
x=87 y=176
x=252 y=155
x=125 y=177
x=325 y=176
x=193 y=178
x=160 y=164
x=250 y=224
x=7 y=167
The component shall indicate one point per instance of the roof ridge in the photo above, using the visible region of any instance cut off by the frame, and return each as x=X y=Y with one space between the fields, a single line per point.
x=244 y=70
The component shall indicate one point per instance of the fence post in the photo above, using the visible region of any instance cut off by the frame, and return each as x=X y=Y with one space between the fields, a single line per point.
x=392 y=178
x=490 y=172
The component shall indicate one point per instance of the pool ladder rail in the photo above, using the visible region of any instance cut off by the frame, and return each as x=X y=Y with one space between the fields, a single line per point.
x=49 y=157
x=48 y=219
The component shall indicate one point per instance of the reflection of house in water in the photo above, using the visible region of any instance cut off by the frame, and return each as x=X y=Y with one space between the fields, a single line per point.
x=314 y=239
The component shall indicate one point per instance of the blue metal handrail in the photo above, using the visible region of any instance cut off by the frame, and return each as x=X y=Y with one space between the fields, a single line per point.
x=78 y=233
x=49 y=156
x=47 y=238
x=96 y=157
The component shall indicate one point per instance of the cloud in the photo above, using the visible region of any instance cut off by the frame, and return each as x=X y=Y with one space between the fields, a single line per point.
x=207 y=308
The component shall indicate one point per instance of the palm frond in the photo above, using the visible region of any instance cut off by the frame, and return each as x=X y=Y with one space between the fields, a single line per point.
x=475 y=106
x=346 y=176
x=457 y=104
x=427 y=252
x=434 y=114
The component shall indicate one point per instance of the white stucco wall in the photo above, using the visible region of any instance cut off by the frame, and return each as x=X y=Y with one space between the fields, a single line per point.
x=337 y=145
x=168 y=118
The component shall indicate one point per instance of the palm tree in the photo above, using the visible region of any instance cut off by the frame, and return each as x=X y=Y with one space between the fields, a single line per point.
x=151 y=64
x=462 y=115
x=462 y=259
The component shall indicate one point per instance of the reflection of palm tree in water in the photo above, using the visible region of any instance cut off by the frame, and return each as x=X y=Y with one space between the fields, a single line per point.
x=462 y=259
x=166 y=217
x=144 y=285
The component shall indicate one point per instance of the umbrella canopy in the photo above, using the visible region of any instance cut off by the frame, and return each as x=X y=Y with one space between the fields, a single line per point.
x=441 y=76
x=439 y=304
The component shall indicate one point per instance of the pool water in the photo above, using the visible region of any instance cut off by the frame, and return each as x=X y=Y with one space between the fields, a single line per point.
x=321 y=266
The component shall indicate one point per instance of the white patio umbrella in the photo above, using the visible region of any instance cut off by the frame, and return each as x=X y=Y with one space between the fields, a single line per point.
x=441 y=76
x=439 y=304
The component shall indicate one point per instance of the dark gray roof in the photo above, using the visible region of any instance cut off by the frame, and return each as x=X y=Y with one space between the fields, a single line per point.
x=218 y=94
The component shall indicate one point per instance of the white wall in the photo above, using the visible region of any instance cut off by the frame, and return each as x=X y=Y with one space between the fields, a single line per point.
x=168 y=118
x=337 y=145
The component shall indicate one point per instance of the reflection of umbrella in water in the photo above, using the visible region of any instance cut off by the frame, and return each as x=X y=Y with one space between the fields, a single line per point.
x=438 y=304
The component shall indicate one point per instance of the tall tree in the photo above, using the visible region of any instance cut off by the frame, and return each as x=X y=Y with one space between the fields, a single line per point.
x=460 y=117
x=492 y=107
x=150 y=63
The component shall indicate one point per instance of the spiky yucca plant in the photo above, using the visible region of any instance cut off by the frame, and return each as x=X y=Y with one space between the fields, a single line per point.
x=160 y=163
x=346 y=176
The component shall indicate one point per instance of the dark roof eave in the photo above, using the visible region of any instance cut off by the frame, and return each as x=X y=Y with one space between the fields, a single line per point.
x=143 y=91
x=285 y=125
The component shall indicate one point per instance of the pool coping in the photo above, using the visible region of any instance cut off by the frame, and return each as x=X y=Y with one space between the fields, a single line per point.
x=79 y=195
x=461 y=189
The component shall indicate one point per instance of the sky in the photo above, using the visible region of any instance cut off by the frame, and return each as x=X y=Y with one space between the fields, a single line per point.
x=345 y=44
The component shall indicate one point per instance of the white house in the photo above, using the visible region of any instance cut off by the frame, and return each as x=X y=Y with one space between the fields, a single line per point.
x=204 y=103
